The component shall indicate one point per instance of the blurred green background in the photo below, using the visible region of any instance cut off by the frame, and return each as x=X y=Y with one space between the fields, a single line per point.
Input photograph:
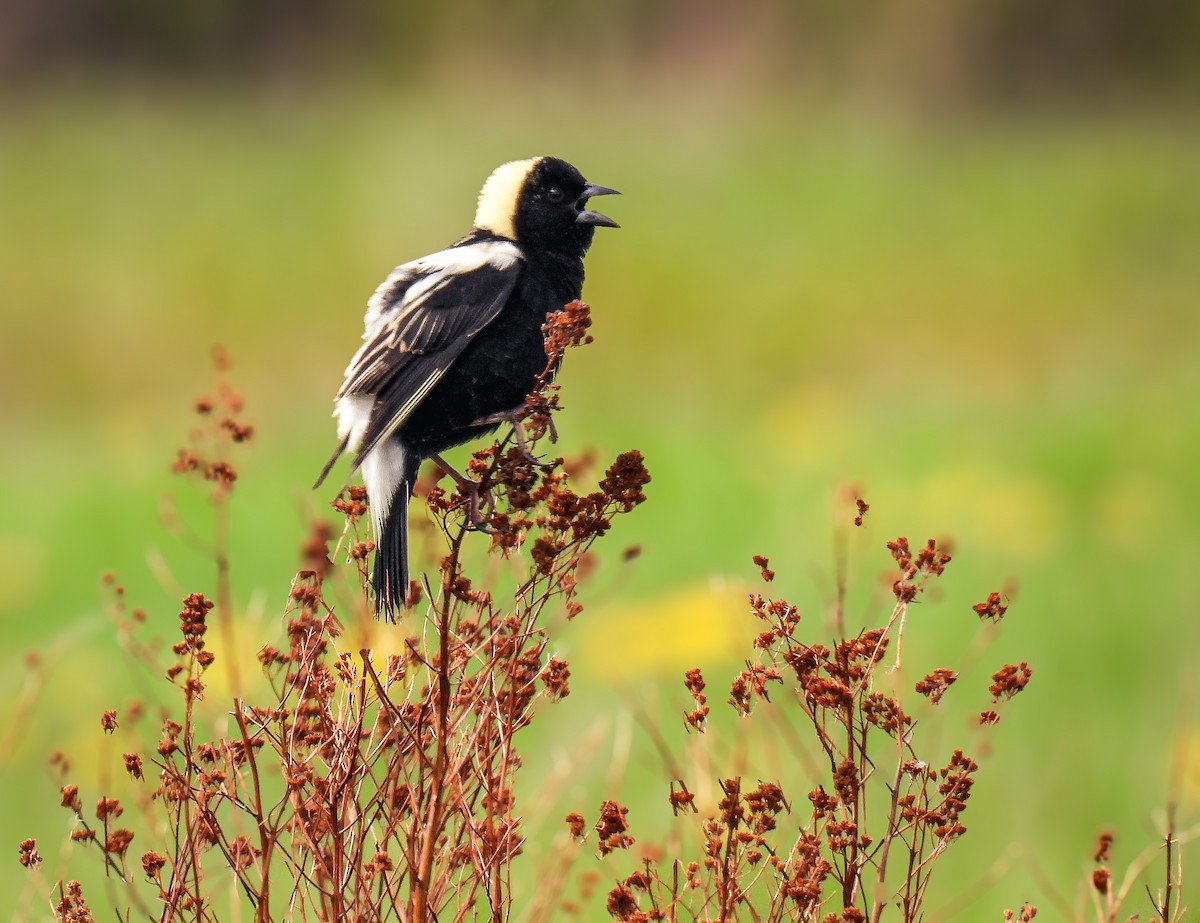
x=949 y=255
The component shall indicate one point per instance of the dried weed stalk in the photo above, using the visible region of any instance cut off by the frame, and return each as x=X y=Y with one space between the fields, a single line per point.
x=863 y=842
x=371 y=787
x=361 y=787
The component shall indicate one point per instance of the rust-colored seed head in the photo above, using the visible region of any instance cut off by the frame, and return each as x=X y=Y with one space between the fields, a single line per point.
x=28 y=855
x=992 y=608
x=682 y=800
x=567 y=328
x=576 y=825
x=70 y=798
x=900 y=552
x=554 y=677
x=761 y=562
x=934 y=686
x=118 y=841
x=152 y=864
x=621 y=903
x=1010 y=680
x=133 y=765
x=611 y=828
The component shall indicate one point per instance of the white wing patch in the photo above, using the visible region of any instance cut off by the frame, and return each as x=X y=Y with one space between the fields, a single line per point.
x=353 y=413
x=430 y=273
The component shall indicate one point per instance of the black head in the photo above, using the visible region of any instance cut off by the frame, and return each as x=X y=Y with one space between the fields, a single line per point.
x=541 y=203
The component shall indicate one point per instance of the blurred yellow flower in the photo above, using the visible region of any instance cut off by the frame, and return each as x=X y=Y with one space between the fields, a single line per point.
x=691 y=627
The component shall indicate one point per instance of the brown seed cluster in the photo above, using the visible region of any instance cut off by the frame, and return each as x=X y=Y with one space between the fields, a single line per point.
x=750 y=685
x=928 y=561
x=314 y=552
x=848 y=915
x=991 y=608
x=761 y=562
x=530 y=504
x=563 y=329
x=152 y=864
x=71 y=906
x=804 y=875
x=28 y=855
x=577 y=825
x=193 y=658
x=682 y=801
x=554 y=679
x=885 y=713
x=934 y=686
x=567 y=328
x=113 y=841
x=694 y=681
x=353 y=504
x=1009 y=680
x=954 y=789
x=133 y=765
x=611 y=829
x=1102 y=874
x=207 y=455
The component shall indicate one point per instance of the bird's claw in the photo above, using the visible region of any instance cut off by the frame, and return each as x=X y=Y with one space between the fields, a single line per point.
x=516 y=418
x=470 y=491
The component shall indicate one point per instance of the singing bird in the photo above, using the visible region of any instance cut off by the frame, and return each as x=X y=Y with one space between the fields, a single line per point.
x=453 y=342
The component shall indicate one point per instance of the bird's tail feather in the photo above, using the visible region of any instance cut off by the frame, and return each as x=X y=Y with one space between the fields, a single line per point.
x=332 y=460
x=390 y=576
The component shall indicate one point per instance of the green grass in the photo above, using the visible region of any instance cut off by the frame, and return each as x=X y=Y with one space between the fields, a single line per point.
x=991 y=326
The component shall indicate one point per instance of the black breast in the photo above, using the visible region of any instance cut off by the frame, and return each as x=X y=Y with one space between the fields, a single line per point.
x=500 y=366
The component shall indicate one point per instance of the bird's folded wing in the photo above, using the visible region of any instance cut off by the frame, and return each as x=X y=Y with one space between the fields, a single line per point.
x=419 y=321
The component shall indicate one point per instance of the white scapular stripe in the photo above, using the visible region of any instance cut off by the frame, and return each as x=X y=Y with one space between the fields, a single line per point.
x=432 y=271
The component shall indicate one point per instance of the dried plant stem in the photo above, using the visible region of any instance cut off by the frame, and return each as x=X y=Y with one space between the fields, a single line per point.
x=434 y=811
x=881 y=893
x=262 y=910
x=225 y=603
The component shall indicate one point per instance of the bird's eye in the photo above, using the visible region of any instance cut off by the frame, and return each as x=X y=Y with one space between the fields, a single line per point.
x=554 y=194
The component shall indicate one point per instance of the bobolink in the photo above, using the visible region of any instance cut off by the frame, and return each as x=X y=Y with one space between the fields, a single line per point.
x=454 y=342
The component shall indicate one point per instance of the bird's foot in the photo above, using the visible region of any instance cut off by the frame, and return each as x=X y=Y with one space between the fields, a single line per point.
x=516 y=418
x=471 y=491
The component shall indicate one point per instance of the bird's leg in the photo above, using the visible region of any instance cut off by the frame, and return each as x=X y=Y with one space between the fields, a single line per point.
x=504 y=416
x=515 y=417
x=470 y=490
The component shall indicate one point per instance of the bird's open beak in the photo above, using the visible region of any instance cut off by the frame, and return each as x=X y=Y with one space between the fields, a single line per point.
x=594 y=218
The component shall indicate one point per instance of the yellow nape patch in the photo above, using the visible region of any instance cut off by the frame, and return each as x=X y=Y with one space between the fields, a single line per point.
x=497 y=210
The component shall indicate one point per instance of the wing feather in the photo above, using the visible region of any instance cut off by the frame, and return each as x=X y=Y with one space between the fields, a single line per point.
x=418 y=322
